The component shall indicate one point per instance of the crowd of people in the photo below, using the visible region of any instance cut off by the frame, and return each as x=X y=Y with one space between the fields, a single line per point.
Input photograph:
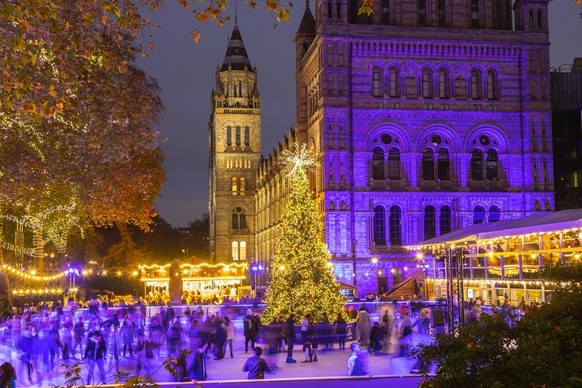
x=101 y=336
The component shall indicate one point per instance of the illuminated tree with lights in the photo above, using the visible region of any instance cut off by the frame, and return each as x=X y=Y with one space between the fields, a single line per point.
x=302 y=281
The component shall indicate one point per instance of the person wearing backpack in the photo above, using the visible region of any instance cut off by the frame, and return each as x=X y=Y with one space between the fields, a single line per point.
x=249 y=330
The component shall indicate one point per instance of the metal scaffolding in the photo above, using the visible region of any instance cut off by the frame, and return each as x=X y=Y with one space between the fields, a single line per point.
x=455 y=295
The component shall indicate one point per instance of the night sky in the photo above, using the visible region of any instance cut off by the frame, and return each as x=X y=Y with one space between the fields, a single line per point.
x=186 y=71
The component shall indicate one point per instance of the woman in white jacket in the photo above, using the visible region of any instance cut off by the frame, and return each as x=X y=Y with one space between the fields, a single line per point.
x=229 y=326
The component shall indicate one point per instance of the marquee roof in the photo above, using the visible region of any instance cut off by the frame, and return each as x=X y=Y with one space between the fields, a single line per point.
x=539 y=223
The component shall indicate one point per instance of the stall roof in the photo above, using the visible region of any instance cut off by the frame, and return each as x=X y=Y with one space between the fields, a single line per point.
x=539 y=223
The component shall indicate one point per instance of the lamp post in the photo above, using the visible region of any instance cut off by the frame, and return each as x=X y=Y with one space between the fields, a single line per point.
x=255 y=269
x=72 y=274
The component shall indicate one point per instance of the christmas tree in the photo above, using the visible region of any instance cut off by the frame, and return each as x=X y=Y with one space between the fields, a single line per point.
x=302 y=280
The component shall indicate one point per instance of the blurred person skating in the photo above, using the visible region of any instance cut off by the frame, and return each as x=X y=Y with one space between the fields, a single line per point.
x=255 y=365
x=376 y=338
x=145 y=355
x=229 y=326
x=288 y=332
x=95 y=353
x=364 y=326
x=197 y=370
x=249 y=330
x=7 y=376
x=341 y=331
x=221 y=335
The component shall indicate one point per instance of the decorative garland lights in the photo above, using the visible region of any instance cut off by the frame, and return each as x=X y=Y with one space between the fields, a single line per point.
x=38 y=291
x=56 y=232
x=32 y=276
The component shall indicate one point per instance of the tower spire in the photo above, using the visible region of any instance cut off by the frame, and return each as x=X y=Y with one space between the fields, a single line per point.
x=236 y=55
x=236 y=12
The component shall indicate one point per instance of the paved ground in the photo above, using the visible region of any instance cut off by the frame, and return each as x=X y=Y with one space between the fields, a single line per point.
x=330 y=363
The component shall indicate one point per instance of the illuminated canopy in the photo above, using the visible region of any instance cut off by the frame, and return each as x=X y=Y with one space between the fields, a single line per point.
x=562 y=221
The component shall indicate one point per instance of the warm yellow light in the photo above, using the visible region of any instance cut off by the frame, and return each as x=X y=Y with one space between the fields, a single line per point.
x=374 y=260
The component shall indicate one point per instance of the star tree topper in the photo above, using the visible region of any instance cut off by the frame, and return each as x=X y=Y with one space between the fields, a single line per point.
x=297 y=158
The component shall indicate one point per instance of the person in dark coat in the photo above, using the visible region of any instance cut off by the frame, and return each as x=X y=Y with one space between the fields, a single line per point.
x=255 y=365
x=174 y=337
x=7 y=376
x=95 y=352
x=341 y=330
x=220 y=339
x=376 y=337
x=249 y=330
x=197 y=370
x=288 y=332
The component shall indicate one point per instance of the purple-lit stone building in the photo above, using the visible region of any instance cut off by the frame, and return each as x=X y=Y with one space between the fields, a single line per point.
x=424 y=117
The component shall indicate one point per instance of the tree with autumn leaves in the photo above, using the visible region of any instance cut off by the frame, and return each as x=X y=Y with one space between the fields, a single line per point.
x=302 y=281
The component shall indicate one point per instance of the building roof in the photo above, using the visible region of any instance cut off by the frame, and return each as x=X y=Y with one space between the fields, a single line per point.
x=539 y=223
x=236 y=57
x=307 y=25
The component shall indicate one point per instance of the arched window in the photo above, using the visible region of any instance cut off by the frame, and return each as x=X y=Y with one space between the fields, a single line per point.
x=429 y=222
x=445 y=220
x=377 y=89
x=243 y=185
x=492 y=85
x=234 y=184
x=237 y=136
x=494 y=214
x=492 y=165
x=444 y=83
x=422 y=20
x=477 y=165
x=235 y=252
x=385 y=12
x=243 y=250
x=229 y=135
x=379 y=226
x=428 y=164
x=247 y=136
x=393 y=76
x=441 y=13
x=475 y=84
x=478 y=215
x=394 y=163
x=378 y=164
x=427 y=83
x=444 y=173
x=239 y=220
x=475 y=13
x=395 y=226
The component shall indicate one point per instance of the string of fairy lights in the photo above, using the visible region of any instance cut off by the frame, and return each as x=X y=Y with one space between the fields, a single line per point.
x=186 y=269
x=56 y=232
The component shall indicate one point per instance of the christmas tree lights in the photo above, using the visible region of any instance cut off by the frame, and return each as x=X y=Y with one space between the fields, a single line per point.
x=302 y=282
